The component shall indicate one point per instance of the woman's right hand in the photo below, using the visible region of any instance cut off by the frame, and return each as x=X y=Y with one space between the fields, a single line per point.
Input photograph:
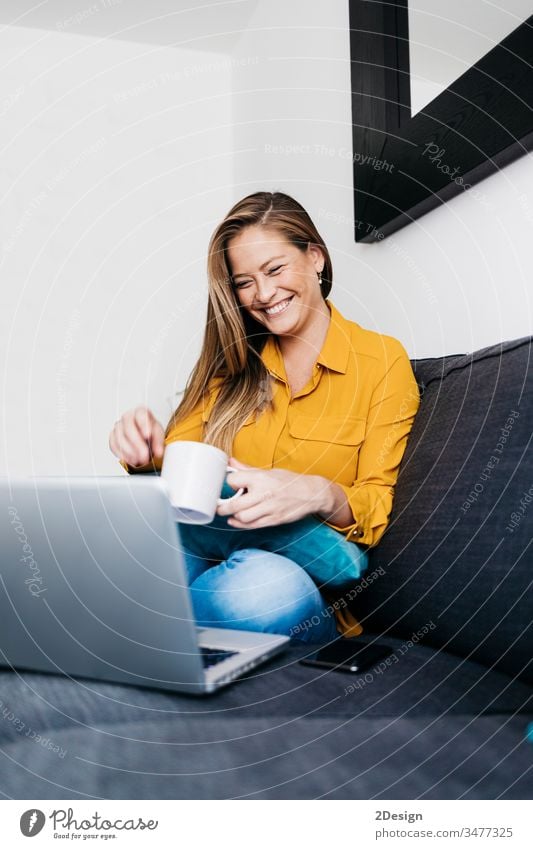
x=137 y=437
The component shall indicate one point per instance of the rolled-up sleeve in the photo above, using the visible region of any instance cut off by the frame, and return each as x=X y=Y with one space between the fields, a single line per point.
x=394 y=404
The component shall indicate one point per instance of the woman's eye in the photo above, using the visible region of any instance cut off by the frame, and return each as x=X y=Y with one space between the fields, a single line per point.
x=242 y=283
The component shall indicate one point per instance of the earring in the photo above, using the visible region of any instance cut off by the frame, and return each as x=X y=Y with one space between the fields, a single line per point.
x=319 y=275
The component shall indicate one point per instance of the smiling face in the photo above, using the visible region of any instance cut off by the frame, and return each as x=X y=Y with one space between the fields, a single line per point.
x=276 y=282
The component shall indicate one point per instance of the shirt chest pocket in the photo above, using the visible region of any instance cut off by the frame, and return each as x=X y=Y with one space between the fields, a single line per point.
x=328 y=445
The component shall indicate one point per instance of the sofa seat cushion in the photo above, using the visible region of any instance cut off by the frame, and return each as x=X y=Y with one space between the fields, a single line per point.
x=414 y=681
x=425 y=725
x=362 y=757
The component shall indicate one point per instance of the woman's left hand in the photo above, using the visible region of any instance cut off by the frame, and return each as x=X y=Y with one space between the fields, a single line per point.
x=274 y=496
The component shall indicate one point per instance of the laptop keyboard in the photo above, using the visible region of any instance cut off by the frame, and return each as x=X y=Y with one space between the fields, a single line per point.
x=210 y=657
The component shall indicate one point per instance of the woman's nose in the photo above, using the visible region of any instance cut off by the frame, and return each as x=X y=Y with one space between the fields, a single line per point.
x=265 y=288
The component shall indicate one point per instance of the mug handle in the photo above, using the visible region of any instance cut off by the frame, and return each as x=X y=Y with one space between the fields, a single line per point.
x=230 y=497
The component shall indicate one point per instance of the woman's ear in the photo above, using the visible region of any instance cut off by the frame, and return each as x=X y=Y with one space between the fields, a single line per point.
x=316 y=256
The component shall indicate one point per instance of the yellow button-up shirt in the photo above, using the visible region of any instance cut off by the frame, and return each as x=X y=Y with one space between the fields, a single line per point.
x=349 y=423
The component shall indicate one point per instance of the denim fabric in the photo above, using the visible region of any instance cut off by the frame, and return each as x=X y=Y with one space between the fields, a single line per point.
x=256 y=590
x=332 y=562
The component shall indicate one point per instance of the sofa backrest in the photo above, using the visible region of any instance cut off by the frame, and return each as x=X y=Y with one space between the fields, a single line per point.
x=458 y=555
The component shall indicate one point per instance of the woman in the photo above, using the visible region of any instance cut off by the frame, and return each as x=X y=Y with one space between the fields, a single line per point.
x=313 y=410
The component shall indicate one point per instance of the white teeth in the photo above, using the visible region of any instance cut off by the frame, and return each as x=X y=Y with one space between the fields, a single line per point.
x=278 y=307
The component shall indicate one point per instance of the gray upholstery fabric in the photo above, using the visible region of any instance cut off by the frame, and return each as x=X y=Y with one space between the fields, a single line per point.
x=285 y=731
x=454 y=757
x=419 y=682
x=451 y=553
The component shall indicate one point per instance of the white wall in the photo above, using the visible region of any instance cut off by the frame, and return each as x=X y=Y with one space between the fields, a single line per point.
x=116 y=164
x=455 y=280
x=120 y=155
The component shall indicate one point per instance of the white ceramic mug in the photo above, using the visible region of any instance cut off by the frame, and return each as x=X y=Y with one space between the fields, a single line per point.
x=194 y=473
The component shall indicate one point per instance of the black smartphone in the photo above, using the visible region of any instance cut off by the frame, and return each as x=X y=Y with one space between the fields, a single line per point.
x=348 y=655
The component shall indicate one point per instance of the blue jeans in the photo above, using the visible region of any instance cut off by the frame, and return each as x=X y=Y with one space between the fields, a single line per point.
x=256 y=590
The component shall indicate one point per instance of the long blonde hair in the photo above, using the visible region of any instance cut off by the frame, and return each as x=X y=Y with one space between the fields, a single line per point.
x=233 y=340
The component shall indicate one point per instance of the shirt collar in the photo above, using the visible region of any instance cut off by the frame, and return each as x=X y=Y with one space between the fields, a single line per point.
x=335 y=350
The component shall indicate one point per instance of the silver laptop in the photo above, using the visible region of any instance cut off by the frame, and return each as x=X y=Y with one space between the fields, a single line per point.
x=93 y=584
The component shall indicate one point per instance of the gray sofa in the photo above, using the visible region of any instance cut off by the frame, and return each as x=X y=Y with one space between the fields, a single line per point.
x=449 y=588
